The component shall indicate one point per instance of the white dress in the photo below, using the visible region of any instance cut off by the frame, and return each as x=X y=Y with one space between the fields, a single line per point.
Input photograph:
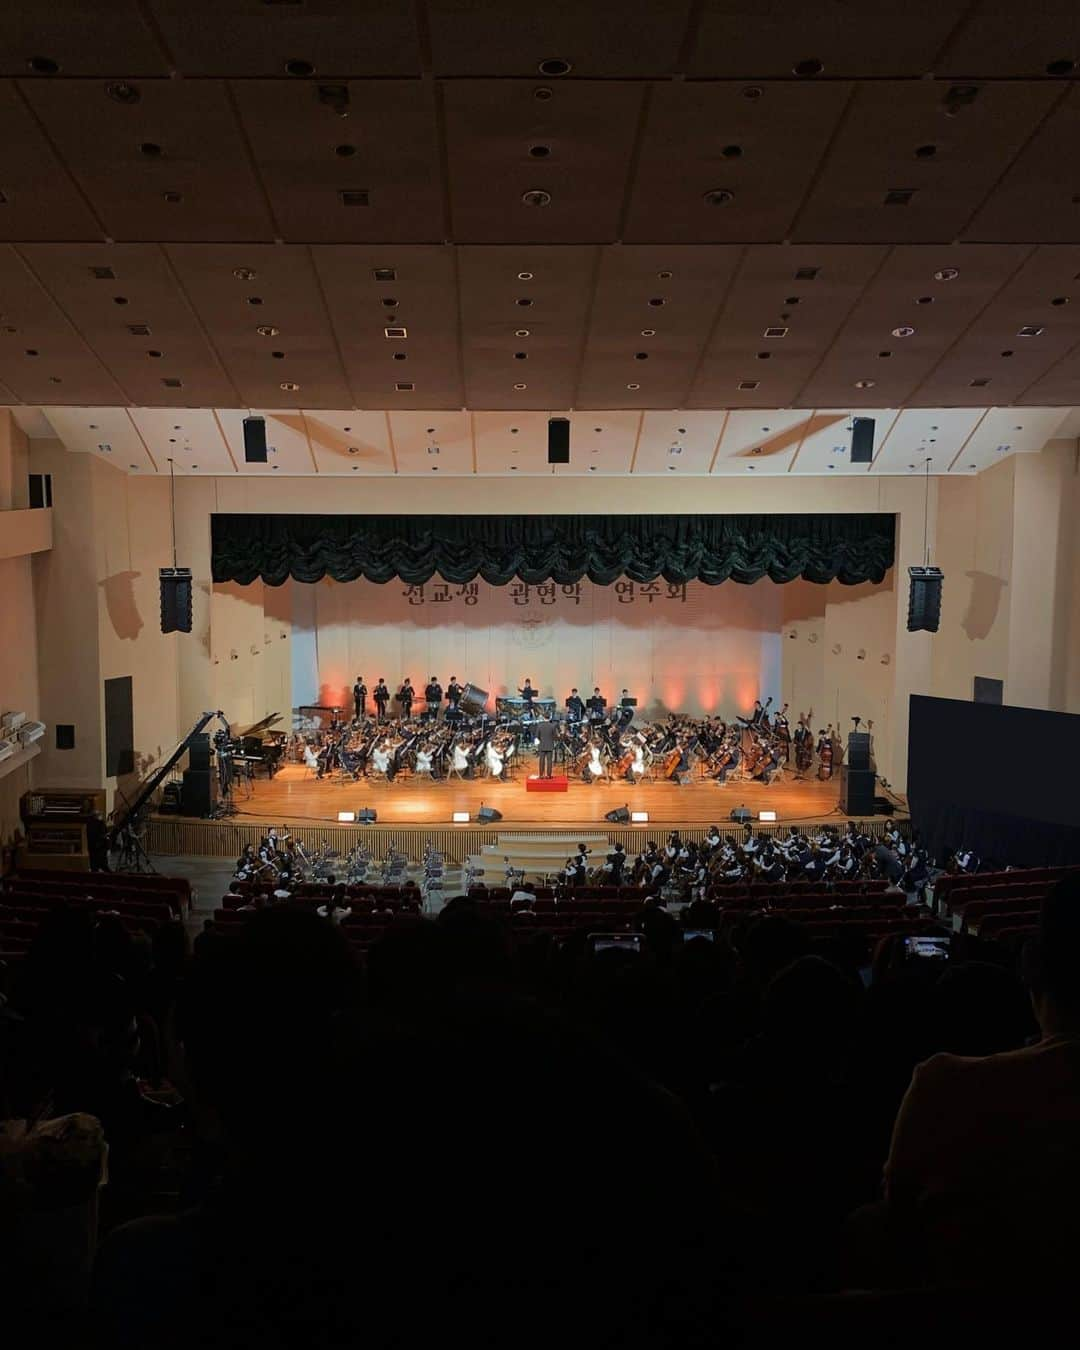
x=637 y=768
x=594 y=767
x=461 y=759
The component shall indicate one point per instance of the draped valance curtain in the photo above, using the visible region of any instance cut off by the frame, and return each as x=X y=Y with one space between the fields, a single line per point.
x=564 y=549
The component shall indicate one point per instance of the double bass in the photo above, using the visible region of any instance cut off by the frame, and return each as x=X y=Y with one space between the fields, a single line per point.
x=825 y=755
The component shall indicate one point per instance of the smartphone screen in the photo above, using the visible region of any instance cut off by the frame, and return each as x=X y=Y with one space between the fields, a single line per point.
x=932 y=948
x=620 y=942
x=690 y=933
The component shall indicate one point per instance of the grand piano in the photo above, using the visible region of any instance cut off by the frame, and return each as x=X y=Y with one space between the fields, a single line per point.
x=259 y=745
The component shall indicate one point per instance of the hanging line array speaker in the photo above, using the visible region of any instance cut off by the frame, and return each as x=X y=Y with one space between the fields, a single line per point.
x=924 y=599
x=175 y=599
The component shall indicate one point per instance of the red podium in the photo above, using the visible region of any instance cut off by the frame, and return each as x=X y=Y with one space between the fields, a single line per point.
x=534 y=784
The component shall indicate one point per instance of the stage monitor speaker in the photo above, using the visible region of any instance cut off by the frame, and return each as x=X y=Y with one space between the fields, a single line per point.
x=558 y=440
x=741 y=816
x=254 y=440
x=862 y=440
x=620 y=816
x=198 y=795
x=487 y=815
x=858 y=750
x=367 y=816
x=924 y=599
x=984 y=690
x=199 y=751
x=856 y=791
x=175 y=599
x=473 y=700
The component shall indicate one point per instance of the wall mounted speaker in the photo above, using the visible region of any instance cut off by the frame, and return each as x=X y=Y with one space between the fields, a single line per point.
x=924 y=599
x=862 y=440
x=65 y=736
x=620 y=816
x=558 y=440
x=175 y=599
x=255 y=440
x=487 y=815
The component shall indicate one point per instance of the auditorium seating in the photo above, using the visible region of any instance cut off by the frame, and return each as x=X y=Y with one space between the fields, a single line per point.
x=997 y=906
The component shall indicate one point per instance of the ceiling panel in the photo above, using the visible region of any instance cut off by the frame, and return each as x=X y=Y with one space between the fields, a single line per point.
x=642 y=354
x=432 y=442
x=42 y=358
x=1035 y=199
x=513 y=442
x=502 y=37
x=826 y=444
x=1005 y=431
x=1011 y=40
x=678 y=442
x=350 y=442
x=175 y=347
x=423 y=290
x=108 y=433
x=288 y=449
x=741 y=41
x=191 y=437
x=307 y=156
x=529 y=299
x=179 y=140
x=82 y=39
x=289 y=300
x=704 y=138
x=502 y=143
x=40 y=200
x=760 y=440
x=336 y=37
x=768 y=293
x=898 y=138
x=601 y=442
x=918 y=434
x=905 y=295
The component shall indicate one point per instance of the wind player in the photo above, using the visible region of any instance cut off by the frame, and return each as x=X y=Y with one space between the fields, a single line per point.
x=575 y=709
x=359 y=698
x=433 y=698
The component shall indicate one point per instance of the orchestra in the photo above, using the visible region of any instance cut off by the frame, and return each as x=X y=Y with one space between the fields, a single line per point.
x=592 y=741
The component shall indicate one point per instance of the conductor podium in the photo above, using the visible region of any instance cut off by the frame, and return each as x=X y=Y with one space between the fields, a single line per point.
x=558 y=783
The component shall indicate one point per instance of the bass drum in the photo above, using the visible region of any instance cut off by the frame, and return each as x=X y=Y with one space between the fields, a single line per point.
x=473 y=700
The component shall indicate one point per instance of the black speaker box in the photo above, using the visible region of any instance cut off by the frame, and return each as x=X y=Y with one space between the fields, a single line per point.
x=198 y=796
x=199 y=751
x=741 y=815
x=65 y=736
x=862 y=440
x=254 y=440
x=368 y=816
x=487 y=815
x=924 y=599
x=858 y=750
x=558 y=440
x=175 y=599
x=620 y=816
x=856 y=791
x=170 y=804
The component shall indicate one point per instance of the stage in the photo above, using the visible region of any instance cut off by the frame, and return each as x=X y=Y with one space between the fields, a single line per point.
x=411 y=812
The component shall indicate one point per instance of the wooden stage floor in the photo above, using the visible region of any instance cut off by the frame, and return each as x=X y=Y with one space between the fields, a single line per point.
x=293 y=795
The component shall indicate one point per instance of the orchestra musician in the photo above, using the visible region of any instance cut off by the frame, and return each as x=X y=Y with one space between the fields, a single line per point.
x=575 y=709
x=596 y=705
x=528 y=693
x=545 y=740
x=454 y=692
x=405 y=696
x=782 y=732
x=625 y=713
x=359 y=698
x=382 y=698
x=433 y=697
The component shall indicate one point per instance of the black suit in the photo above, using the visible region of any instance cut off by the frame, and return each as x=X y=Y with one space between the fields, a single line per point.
x=545 y=734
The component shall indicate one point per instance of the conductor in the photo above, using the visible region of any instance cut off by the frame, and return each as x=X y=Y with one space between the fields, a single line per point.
x=545 y=737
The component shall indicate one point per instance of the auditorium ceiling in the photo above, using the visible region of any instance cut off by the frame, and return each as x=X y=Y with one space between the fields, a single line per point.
x=375 y=215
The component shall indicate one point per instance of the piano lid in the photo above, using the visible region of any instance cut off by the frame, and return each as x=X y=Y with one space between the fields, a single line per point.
x=257 y=728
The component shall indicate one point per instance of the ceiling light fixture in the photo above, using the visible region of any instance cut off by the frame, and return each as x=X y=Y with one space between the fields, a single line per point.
x=244 y=273
x=536 y=197
x=633 y=386
x=1029 y=330
x=267 y=330
x=288 y=386
x=521 y=332
x=519 y=387
x=865 y=384
x=905 y=330
x=525 y=276
x=554 y=66
x=946 y=274
x=718 y=197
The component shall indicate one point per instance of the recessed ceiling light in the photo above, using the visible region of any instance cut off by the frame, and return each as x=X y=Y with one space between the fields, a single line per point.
x=946 y=274
x=514 y=432
x=244 y=273
x=664 y=276
x=748 y=384
x=1064 y=66
x=521 y=386
x=536 y=197
x=776 y=332
x=718 y=197
x=521 y=332
x=299 y=68
x=1007 y=353
x=764 y=356
x=553 y=66
x=524 y=276
x=884 y=354
x=641 y=356
x=288 y=386
x=925 y=300
x=150 y=149
x=153 y=352
x=278 y=356
x=267 y=330
x=864 y=384
x=1029 y=330
x=119 y=299
x=905 y=330
x=592 y=468
x=254 y=299
x=657 y=301
x=811 y=66
x=925 y=151
x=1060 y=300
x=542 y=93
x=31 y=351
x=172 y=197
x=345 y=151
x=750 y=468
x=648 y=332
x=633 y=386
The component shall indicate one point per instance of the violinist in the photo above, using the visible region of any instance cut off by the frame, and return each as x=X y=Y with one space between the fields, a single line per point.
x=575 y=709
x=433 y=698
x=359 y=697
x=382 y=698
x=405 y=697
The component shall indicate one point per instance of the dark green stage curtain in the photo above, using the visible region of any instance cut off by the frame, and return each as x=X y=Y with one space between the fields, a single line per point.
x=534 y=549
